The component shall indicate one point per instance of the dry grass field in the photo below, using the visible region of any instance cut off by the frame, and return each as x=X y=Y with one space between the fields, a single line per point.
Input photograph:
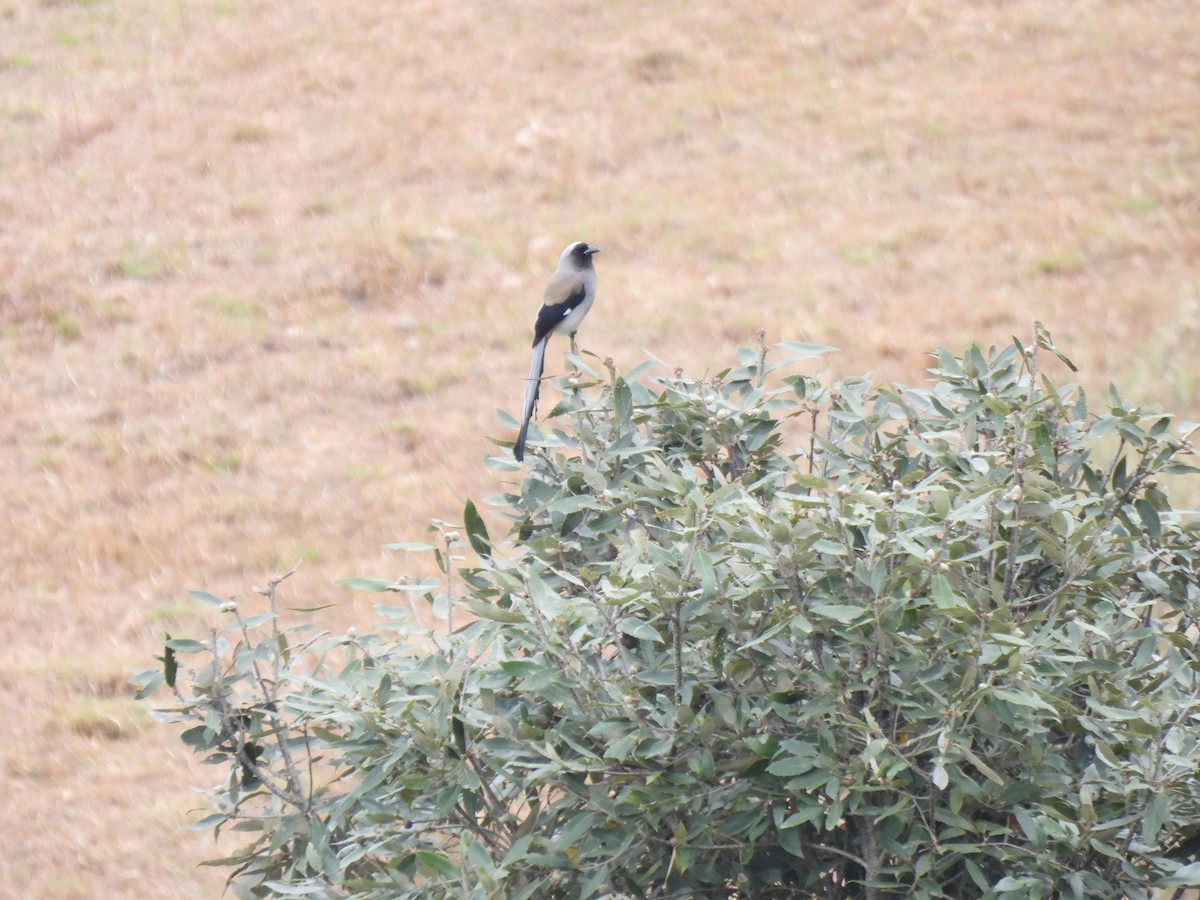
x=268 y=269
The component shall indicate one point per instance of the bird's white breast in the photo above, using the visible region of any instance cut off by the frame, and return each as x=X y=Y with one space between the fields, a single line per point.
x=571 y=321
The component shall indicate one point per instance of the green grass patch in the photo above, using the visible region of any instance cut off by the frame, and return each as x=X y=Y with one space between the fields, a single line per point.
x=138 y=261
x=1138 y=204
x=250 y=133
x=66 y=327
x=1058 y=264
x=221 y=462
x=108 y=718
x=861 y=255
x=16 y=62
x=365 y=472
x=233 y=307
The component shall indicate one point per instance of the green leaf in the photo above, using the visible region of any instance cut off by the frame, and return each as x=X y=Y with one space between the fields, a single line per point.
x=1022 y=698
x=623 y=401
x=517 y=852
x=620 y=749
x=206 y=598
x=477 y=532
x=380 y=585
x=789 y=836
x=1009 y=883
x=823 y=545
x=252 y=621
x=803 y=757
x=581 y=824
x=437 y=865
x=1154 y=582
x=640 y=630
x=793 y=765
x=838 y=612
x=807 y=815
x=184 y=645
x=944 y=596
x=1157 y=814
x=745 y=356
x=170 y=664
x=374 y=585
x=491 y=612
x=799 y=350
x=976 y=874
x=1064 y=360
x=1186 y=876
x=147 y=682
x=543 y=598
x=811 y=482
x=708 y=577
x=1149 y=516
x=974 y=365
x=207 y=822
x=988 y=772
x=573 y=503
x=1104 y=849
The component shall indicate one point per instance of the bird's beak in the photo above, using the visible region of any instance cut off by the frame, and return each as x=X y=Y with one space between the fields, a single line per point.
x=590 y=250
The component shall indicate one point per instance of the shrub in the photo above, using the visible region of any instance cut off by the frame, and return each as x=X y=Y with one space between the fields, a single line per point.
x=751 y=636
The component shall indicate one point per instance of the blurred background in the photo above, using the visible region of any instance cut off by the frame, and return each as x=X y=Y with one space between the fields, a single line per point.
x=269 y=269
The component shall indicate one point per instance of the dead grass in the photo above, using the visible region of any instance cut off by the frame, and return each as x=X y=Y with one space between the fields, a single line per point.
x=268 y=270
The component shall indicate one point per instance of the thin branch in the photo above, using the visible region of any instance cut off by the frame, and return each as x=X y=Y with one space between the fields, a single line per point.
x=270 y=695
x=1019 y=457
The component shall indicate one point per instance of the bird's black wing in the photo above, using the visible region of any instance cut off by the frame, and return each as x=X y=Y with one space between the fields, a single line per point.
x=552 y=313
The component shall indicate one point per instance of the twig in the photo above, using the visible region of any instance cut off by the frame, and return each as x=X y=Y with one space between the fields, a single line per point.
x=269 y=694
x=1020 y=454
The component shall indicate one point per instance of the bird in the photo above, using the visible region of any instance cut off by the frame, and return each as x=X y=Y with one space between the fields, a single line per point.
x=568 y=297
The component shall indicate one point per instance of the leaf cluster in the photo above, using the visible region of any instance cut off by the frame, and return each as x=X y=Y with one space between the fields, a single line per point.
x=754 y=636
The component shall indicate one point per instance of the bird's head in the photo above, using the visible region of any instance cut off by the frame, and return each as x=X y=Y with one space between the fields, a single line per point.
x=579 y=253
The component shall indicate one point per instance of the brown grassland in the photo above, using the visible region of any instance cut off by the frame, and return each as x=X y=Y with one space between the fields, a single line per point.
x=268 y=269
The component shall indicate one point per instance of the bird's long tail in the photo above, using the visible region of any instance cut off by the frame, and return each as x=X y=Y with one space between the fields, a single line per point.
x=531 y=395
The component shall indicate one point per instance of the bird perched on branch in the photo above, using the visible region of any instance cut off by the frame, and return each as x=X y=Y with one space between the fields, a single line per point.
x=568 y=297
